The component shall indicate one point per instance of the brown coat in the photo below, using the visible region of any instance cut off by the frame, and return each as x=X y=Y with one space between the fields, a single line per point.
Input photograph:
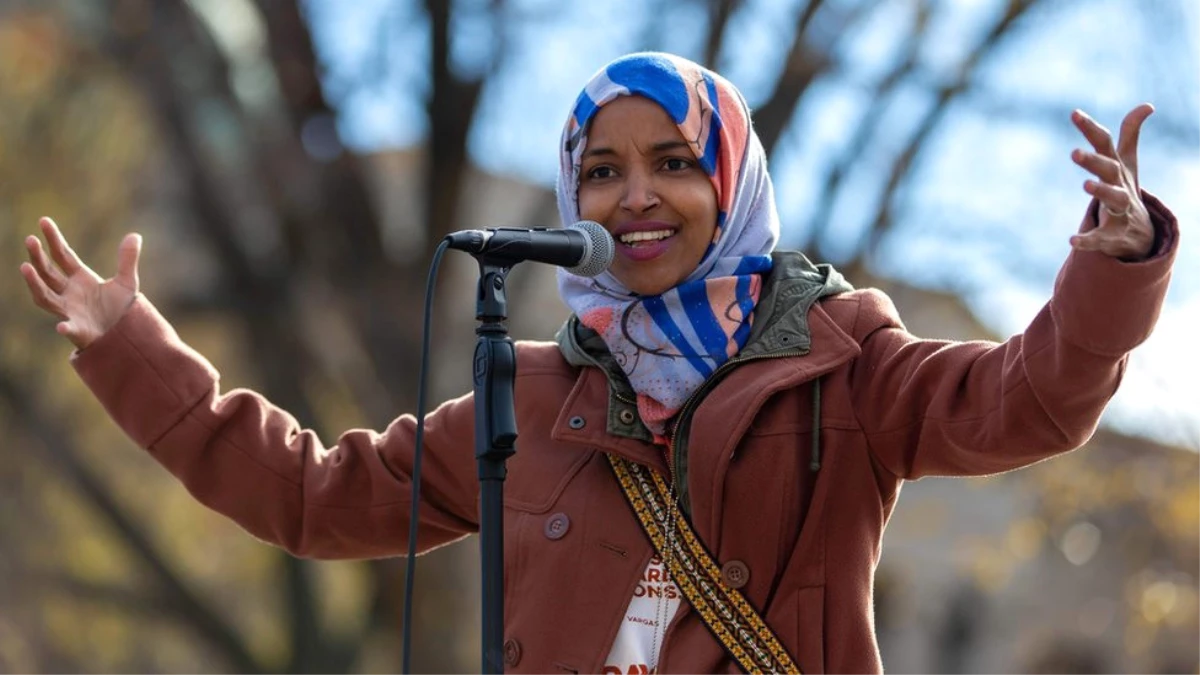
x=892 y=408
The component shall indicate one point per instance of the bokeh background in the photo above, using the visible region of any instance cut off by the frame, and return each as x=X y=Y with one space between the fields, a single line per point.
x=292 y=165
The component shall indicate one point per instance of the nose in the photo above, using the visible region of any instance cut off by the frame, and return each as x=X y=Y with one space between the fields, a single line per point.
x=640 y=195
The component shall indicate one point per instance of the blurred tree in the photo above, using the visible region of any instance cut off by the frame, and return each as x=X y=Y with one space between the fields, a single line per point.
x=211 y=126
x=1143 y=513
x=1069 y=658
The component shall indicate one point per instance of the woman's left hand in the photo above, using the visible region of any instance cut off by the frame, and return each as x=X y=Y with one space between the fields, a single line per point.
x=1124 y=230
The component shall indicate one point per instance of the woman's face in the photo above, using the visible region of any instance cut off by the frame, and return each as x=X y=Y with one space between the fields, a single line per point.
x=640 y=180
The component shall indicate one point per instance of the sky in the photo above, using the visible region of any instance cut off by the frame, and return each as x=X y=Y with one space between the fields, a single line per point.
x=997 y=196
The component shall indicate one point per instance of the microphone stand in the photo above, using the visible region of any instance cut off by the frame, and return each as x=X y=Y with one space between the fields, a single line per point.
x=495 y=368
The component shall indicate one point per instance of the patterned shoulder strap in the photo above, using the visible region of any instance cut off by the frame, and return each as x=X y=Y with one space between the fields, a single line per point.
x=732 y=620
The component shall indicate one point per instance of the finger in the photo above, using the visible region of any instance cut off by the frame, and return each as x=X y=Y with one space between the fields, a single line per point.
x=1096 y=134
x=1131 y=128
x=1091 y=241
x=60 y=251
x=1115 y=199
x=77 y=334
x=127 y=261
x=1104 y=168
x=50 y=274
x=69 y=330
x=43 y=297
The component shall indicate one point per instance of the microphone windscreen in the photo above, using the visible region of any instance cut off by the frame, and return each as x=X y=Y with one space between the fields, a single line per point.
x=600 y=250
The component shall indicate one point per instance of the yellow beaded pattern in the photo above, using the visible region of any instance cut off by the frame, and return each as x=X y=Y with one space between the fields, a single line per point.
x=724 y=610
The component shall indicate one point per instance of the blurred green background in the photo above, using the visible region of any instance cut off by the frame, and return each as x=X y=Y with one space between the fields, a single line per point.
x=292 y=165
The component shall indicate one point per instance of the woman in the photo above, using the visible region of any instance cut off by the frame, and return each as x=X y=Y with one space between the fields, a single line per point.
x=711 y=448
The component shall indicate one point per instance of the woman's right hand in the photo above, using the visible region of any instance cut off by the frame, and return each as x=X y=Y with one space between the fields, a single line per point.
x=65 y=287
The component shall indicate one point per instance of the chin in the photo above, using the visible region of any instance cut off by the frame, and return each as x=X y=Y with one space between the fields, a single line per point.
x=650 y=289
x=641 y=285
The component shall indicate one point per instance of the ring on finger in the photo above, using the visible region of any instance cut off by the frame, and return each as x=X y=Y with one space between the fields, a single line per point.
x=1117 y=214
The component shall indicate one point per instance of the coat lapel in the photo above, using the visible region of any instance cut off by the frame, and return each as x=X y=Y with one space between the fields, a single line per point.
x=725 y=415
x=583 y=419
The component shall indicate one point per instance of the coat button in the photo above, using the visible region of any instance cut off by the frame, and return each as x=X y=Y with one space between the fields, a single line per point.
x=512 y=652
x=626 y=416
x=576 y=422
x=557 y=525
x=735 y=574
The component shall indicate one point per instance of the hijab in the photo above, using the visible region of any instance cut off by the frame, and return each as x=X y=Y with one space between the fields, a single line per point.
x=669 y=344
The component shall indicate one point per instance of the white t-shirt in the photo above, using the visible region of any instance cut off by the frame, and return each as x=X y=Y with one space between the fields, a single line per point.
x=639 y=640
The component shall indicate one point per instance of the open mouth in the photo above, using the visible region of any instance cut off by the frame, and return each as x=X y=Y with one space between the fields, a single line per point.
x=639 y=239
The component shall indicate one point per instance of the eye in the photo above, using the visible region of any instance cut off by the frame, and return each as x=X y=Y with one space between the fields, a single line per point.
x=677 y=164
x=600 y=172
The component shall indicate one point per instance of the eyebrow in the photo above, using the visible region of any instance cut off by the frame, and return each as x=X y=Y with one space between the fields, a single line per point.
x=657 y=147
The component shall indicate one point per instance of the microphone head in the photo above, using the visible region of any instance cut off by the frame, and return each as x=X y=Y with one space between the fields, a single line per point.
x=600 y=249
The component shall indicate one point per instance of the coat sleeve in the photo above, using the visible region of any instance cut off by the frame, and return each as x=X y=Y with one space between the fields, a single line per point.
x=251 y=461
x=971 y=408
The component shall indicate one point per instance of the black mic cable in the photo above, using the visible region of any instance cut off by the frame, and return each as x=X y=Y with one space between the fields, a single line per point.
x=411 y=566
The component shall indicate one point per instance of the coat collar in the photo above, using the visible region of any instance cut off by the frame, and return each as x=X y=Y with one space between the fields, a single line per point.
x=784 y=324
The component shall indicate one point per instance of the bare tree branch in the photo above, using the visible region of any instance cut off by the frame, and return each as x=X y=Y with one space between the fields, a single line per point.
x=1170 y=128
x=346 y=200
x=809 y=56
x=149 y=605
x=904 y=162
x=451 y=109
x=866 y=128
x=62 y=454
x=719 y=13
x=147 y=60
x=291 y=52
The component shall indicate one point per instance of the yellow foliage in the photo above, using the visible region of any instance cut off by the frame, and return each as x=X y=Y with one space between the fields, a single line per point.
x=97 y=635
x=1025 y=538
x=1180 y=515
x=77 y=542
x=16 y=654
x=33 y=53
x=264 y=634
x=93 y=558
x=345 y=589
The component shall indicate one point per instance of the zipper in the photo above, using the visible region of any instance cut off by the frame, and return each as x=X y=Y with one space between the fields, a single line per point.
x=675 y=445
x=670 y=460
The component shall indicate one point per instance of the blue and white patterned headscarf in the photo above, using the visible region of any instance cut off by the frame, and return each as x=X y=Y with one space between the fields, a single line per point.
x=670 y=343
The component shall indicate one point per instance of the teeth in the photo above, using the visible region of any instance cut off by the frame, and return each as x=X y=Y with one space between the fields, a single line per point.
x=634 y=237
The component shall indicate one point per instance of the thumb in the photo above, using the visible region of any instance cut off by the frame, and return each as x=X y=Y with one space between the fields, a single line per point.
x=127 y=261
x=1090 y=241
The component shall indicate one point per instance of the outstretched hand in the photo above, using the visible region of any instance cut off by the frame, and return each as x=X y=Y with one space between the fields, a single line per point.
x=65 y=287
x=1124 y=230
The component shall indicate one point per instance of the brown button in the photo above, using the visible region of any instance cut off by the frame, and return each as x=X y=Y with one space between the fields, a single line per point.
x=557 y=526
x=626 y=416
x=735 y=574
x=512 y=652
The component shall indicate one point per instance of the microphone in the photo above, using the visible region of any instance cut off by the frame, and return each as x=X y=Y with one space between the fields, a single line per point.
x=585 y=248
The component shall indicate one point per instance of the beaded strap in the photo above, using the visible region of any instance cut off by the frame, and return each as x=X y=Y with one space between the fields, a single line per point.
x=732 y=620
